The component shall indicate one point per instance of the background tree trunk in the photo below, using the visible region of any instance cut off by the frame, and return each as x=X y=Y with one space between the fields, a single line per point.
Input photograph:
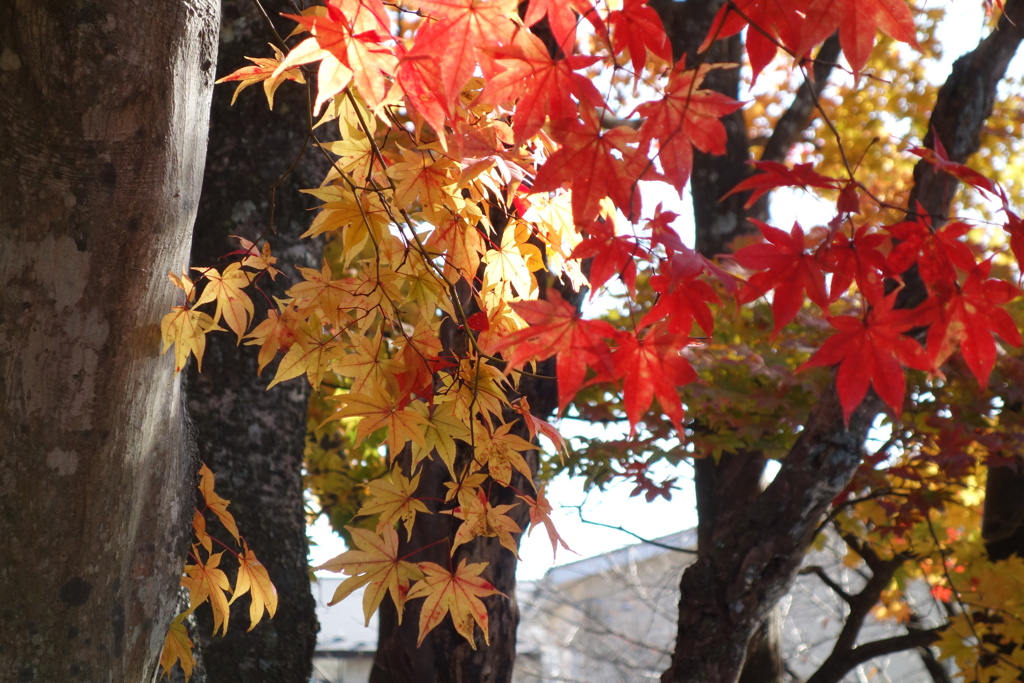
x=252 y=438
x=103 y=118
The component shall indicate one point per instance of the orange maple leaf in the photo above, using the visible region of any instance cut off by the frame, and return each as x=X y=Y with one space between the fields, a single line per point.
x=233 y=305
x=266 y=71
x=540 y=513
x=456 y=593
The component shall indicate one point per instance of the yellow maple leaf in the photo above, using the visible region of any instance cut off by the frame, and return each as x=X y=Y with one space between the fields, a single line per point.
x=501 y=452
x=403 y=424
x=480 y=518
x=424 y=175
x=254 y=579
x=178 y=648
x=206 y=581
x=440 y=430
x=393 y=500
x=216 y=504
x=233 y=305
x=456 y=593
x=186 y=329
x=376 y=565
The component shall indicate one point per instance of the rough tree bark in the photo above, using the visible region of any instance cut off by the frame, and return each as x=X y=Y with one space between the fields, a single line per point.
x=252 y=438
x=103 y=115
x=727 y=592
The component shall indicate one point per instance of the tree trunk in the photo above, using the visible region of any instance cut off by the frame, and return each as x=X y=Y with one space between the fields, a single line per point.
x=445 y=656
x=103 y=117
x=252 y=438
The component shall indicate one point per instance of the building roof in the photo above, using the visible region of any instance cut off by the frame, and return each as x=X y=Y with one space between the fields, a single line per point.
x=343 y=628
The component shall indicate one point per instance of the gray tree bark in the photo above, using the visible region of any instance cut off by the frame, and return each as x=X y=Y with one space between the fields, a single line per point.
x=103 y=117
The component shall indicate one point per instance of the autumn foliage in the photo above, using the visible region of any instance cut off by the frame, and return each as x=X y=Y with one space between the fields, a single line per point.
x=482 y=182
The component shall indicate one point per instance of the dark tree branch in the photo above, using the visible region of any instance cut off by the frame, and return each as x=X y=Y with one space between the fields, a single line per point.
x=835 y=668
x=828 y=581
x=801 y=111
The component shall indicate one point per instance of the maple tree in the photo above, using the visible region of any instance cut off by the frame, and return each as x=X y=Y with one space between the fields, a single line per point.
x=473 y=196
x=467 y=191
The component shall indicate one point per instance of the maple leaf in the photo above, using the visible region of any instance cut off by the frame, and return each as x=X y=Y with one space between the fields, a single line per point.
x=481 y=519
x=254 y=579
x=265 y=70
x=456 y=44
x=558 y=329
x=610 y=255
x=562 y=19
x=638 y=28
x=871 y=351
x=935 y=252
x=682 y=297
x=456 y=593
x=857 y=259
x=773 y=174
x=393 y=500
x=540 y=513
x=233 y=305
x=686 y=117
x=273 y=334
x=501 y=451
x=403 y=424
x=969 y=316
x=186 y=329
x=939 y=158
x=374 y=564
x=857 y=21
x=777 y=22
x=440 y=429
x=178 y=647
x=783 y=264
x=536 y=426
x=206 y=581
x=540 y=85
x=214 y=503
x=652 y=366
x=595 y=163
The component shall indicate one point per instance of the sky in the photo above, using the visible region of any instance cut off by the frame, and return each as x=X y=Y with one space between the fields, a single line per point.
x=614 y=507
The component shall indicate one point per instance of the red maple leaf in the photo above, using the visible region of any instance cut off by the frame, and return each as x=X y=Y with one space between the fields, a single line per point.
x=858 y=259
x=773 y=175
x=857 y=21
x=935 y=252
x=558 y=329
x=783 y=264
x=562 y=19
x=596 y=163
x=638 y=28
x=652 y=366
x=778 y=22
x=969 y=316
x=682 y=297
x=455 y=44
x=686 y=117
x=540 y=86
x=871 y=351
x=610 y=255
x=939 y=158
